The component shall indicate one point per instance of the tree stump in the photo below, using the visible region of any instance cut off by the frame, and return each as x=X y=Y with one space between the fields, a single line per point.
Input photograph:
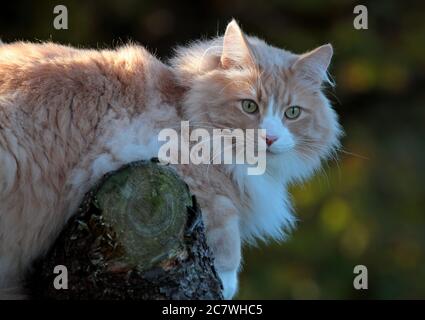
x=137 y=235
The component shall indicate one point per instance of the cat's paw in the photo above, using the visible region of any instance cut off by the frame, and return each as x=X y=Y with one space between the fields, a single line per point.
x=229 y=279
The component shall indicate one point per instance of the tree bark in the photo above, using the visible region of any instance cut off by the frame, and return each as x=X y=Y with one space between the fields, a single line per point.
x=137 y=235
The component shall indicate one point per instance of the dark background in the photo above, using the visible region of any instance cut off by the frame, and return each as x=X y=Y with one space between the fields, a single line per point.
x=367 y=208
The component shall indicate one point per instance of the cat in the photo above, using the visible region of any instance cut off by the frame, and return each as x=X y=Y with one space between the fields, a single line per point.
x=68 y=116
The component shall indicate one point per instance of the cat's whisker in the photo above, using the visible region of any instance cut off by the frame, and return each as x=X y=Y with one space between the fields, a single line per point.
x=353 y=154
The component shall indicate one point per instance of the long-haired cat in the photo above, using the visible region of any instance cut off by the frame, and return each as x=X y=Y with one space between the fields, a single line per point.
x=68 y=116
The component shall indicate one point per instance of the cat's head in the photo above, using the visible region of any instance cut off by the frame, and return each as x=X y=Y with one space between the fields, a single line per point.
x=238 y=81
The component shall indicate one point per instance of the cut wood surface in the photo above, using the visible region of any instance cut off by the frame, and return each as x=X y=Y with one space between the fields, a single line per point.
x=137 y=235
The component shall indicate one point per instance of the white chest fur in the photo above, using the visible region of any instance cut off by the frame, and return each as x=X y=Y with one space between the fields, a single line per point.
x=270 y=212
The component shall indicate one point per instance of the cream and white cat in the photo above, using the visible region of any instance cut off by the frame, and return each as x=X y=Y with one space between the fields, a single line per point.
x=68 y=116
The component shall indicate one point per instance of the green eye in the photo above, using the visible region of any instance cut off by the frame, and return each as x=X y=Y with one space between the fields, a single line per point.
x=249 y=106
x=293 y=112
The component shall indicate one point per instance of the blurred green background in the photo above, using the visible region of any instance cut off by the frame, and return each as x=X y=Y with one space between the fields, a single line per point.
x=367 y=208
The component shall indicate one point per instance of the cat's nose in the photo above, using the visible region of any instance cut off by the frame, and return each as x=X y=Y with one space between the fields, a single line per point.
x=270 y=140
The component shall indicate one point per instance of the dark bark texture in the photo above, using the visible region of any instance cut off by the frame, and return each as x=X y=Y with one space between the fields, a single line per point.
x=137 y=235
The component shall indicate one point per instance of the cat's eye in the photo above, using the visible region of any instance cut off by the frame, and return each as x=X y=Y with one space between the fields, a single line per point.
x=249 y=106
x=293 y=112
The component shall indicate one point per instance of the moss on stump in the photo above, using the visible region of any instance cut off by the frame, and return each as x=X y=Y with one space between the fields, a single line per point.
x=137 y=235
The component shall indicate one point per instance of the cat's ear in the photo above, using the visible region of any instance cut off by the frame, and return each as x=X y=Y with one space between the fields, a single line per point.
x=236 y=51
x=312 y=66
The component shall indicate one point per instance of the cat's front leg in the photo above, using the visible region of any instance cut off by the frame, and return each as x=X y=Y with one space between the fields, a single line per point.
x=223 y=237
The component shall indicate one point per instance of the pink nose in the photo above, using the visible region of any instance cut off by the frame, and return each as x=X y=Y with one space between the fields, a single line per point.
x=270 y=140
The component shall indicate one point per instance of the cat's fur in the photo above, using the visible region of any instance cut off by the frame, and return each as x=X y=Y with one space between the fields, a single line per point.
x=68 y=116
